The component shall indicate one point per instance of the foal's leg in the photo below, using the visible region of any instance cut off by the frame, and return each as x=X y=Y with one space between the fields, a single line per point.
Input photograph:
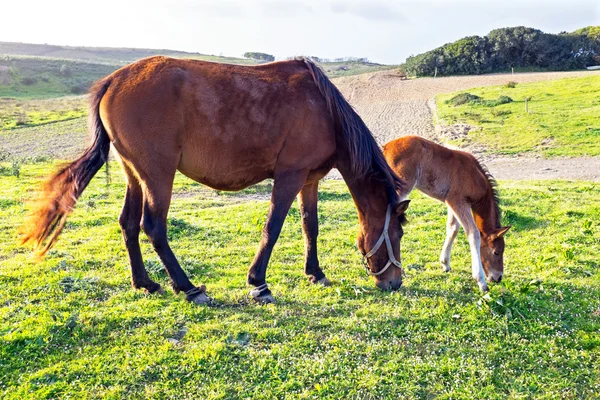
x=285 y=187
x=308 y=198
x=452 y=228
x=463 y=213
x=130 y=226
x=157 y=199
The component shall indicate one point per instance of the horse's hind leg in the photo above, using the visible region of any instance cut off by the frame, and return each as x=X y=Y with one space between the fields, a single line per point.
x=285 y=187
x=157 y=199
x=452 y=228
x=463 y=213
x=308 y=198
x=129 y=220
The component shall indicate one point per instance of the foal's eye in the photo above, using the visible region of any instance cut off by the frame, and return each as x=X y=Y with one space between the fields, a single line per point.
x=496 y=253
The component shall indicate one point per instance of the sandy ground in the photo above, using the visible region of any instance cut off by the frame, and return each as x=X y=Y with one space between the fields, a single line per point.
x=392 y=107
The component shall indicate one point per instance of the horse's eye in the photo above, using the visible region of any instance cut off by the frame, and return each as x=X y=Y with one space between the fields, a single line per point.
x=496 y=253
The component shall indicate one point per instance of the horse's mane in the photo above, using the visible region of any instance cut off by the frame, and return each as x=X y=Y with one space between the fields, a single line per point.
x=364 y=153
x=493 y=187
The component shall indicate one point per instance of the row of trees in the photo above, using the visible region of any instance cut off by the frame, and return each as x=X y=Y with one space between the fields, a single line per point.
x=506 y=48
x=268 y=57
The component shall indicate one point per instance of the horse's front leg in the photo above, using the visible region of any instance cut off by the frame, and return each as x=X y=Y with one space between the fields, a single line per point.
x=308 y=198
x=452 y=228
x=463 y=213
x=285 y=187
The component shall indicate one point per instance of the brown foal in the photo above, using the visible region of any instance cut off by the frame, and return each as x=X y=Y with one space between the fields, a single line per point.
x=228 y=127
x=468 y=189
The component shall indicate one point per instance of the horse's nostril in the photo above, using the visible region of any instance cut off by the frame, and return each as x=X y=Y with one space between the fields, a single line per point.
x=499 y=278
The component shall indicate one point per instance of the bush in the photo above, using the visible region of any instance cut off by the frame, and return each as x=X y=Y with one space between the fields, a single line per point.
x=259 y=56
x=65 y=70
x=511 y=84
x=80 y=88
x=506 y=48
x=463 y=98
x=499 y=101
x=28 y=81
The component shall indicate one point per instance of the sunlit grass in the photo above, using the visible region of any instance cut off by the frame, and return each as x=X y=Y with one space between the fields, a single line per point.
x=563 y=117
x=71 y=326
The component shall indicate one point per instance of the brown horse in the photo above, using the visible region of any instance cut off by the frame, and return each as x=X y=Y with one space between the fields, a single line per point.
x=228 y=127
x=468 y=189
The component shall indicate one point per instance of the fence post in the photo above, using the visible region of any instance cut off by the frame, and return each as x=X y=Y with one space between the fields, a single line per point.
x=435 y=73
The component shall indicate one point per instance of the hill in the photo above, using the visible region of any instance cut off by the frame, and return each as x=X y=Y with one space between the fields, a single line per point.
x=44 y=71
x=520 y=47
x=109 y=55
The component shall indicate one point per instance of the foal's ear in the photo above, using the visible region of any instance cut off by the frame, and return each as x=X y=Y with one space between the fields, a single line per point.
x=498 y=233
x=402 y=206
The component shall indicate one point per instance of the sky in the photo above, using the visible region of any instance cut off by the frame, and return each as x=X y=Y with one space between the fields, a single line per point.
x=384 y=31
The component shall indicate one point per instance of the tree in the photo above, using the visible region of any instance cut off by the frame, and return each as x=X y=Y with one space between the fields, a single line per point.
x=259 y=56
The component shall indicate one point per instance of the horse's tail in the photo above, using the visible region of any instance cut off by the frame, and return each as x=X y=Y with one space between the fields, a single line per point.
x=364 y=153
x=61 y=191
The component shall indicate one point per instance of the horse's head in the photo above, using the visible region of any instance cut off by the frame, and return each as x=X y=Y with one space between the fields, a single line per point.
x=379 y=242
x=492 y=253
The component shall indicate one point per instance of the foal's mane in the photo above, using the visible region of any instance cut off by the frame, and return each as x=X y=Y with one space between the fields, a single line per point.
x=364 y=153
x=493 y=185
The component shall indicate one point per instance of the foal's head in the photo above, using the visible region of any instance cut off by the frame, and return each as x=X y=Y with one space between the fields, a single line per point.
x=379 y=243
x=492 y=253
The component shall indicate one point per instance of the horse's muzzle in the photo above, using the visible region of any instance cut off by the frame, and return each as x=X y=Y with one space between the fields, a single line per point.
x=389 y=284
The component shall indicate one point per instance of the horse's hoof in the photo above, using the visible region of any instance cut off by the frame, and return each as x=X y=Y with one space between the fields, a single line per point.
x=445 y=267
x=160 y=291
x=264 y=299
x=201 y=299
x=324 y=281
x=483 y=287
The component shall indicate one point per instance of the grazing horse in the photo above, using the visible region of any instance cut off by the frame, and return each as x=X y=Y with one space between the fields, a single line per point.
x=468 y=189
x=228 y=127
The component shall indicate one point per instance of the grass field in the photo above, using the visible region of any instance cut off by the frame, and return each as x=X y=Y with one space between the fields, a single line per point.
x=71 y=326
x=563 y=118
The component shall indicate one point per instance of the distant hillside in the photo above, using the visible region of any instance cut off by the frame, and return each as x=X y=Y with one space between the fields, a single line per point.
x=110 y=55
x=520 y=47
x=45 y=71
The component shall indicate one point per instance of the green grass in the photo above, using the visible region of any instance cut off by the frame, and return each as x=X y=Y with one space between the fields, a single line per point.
x=48 y=77
x=18 y=113
x=71 y=326
x=563 y=118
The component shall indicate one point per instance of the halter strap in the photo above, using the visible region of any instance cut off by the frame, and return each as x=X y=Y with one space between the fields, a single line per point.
x=385 y=237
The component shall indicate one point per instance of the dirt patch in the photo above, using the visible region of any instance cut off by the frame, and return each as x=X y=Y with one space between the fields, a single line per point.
x=393 y=107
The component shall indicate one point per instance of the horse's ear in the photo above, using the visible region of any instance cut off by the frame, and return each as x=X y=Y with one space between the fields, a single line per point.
x=498 y=233
x=402 y=206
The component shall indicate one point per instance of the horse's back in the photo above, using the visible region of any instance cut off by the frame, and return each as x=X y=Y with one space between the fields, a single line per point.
x=226 y=125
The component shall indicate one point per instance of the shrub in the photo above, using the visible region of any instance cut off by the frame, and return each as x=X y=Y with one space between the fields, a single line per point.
x=463 y=98
x=500 y=100
x=259 y=56
x=511 y=84
x=65 y=70
x=28 y=81
x=80 y=88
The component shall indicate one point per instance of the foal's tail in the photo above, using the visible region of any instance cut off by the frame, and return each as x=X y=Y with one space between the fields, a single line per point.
x=61 y=191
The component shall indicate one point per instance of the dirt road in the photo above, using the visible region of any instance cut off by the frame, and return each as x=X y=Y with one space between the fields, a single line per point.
x=392 y=107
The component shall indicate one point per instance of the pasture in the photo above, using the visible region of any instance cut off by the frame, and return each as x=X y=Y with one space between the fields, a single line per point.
x=563 y=117
x=71 y=326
